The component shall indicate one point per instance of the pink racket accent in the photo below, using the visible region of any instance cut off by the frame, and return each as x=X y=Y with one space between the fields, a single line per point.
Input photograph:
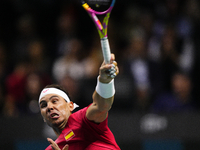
x=102 y=29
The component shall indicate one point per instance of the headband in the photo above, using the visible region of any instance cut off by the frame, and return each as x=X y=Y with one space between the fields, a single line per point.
x=58 y=92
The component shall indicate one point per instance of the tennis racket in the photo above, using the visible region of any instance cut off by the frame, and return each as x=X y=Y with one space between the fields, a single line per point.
x=101 y=7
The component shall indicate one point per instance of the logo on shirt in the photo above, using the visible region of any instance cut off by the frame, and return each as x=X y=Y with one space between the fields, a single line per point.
x=69 y=135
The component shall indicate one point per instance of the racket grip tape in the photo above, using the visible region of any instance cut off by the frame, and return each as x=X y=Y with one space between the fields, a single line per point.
x=106 y=50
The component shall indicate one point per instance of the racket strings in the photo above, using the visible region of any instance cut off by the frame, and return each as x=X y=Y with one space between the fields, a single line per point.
x=100 y=2
x=99 y=5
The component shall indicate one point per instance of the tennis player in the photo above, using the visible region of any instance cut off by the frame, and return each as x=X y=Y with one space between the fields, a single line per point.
x=85 y=129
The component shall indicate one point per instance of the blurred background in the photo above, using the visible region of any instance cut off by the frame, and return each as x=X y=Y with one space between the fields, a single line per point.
x=156 y=43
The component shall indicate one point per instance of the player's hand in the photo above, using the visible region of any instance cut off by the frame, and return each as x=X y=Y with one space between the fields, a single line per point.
x=55 y=146
x=108 y=71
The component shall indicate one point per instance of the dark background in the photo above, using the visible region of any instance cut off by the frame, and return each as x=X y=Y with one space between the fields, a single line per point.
x=136 y=127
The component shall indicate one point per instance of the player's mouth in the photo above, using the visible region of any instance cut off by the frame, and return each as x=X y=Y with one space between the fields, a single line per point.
x=54 y=115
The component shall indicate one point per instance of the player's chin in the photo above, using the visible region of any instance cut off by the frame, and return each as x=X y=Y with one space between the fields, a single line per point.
x=55 y=122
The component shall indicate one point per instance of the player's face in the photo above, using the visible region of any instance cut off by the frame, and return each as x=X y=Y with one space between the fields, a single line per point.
x=55 y=110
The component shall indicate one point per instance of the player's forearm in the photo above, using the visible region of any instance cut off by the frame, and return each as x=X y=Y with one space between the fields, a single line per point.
x=98 y=110
x=103 y=98
x=104 y=94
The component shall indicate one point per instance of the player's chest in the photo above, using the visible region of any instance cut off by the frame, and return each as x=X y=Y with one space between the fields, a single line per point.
x=76 y=137
x=78 y=134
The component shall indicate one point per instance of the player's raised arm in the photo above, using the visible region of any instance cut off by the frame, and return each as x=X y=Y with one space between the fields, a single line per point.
x=103 y=95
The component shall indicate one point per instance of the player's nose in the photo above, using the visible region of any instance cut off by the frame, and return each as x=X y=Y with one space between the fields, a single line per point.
x=49 y=106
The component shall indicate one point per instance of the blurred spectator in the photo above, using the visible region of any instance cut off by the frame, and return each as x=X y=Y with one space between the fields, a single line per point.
x=93 y=59
x=90 y=62
x=26 y=32
x=139 y=69
x=73 y=87
x=171 y=16
x=66 y=29
x=179 y=99
x=125 y=98
x=15 y=87
x=71 y=63
x=3 y=74
x=22 y=89
x=33 y=86
x=37 y=57
x=3 y=63
x=174 y=54
x=169 y=56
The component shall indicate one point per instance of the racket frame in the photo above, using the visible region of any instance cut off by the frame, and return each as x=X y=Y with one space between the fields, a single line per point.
x=101 y=27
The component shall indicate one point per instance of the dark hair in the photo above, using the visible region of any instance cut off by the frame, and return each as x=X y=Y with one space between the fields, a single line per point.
x=57 y=86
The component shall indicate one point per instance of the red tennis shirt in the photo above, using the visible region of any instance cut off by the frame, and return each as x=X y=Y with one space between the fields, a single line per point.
x=82 y=134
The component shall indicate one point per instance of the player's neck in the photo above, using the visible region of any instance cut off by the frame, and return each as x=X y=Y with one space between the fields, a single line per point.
x=58 y=130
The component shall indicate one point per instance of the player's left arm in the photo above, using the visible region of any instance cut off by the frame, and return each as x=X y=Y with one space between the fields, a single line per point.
x=54 y=146
x=103 y=96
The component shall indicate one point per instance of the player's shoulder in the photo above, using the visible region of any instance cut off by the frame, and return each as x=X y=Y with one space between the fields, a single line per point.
x=80 y=111
x=79 y=114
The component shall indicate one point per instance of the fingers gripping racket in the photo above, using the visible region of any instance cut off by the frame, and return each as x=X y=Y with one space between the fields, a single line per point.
x=101 y=7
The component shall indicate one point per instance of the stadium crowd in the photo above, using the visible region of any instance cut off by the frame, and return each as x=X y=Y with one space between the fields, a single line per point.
x=156 y=44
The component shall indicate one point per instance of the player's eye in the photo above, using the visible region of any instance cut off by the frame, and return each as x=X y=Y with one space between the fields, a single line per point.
x=54 y=100
x=43 y=104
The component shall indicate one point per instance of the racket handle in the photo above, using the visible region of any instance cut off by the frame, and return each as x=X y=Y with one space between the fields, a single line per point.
x=106 y=50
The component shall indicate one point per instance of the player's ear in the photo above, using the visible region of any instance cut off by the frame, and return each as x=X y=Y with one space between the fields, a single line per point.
x=44 y=120
x=71 y=106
